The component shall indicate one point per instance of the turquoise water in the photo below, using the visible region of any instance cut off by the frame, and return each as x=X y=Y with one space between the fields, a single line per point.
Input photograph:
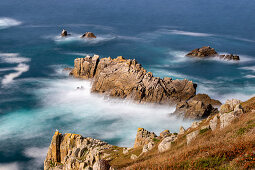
x=37 y=97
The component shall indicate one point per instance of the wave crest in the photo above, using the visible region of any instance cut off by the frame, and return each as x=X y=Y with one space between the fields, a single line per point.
x=8 y=22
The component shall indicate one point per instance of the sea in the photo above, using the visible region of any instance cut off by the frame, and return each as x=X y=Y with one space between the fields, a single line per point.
x=37 y=97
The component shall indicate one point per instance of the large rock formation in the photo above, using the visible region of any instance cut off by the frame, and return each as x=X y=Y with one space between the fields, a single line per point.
x=200 y=106
x=205 y=52
x=143 y=137
x=128 y=79
x=125 y=78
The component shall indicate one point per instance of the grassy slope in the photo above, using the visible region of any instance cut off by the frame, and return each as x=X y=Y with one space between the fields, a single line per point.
x=230 y=148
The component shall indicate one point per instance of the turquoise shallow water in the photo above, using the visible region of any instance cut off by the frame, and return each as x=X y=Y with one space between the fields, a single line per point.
x=37 y=97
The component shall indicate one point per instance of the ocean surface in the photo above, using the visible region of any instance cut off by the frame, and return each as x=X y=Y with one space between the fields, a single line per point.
x=37 y=96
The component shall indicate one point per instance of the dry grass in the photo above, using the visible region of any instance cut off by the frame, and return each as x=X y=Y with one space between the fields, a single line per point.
x=230 y=148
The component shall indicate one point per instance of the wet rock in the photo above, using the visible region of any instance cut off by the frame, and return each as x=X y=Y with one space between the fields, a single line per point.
x=203 y=52
x=166 y=143
x=229 y=57
x=143 y=137
x=64 y=33
x=200 y=106
x=88 y=35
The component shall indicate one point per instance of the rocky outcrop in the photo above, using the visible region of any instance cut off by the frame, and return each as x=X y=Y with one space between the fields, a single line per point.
x=127 y=79
x=205 y=52
x=88 y=35
x=64 y=33
x=191 y=136
x=165 y=133
x=72 y=151
x=166 y=143
x=181 y=131
x=143 y=137
x=197 y=107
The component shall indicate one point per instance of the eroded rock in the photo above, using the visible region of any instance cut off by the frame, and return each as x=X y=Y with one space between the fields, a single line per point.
x=143 y=137
x=191 y=136
x=166 y=143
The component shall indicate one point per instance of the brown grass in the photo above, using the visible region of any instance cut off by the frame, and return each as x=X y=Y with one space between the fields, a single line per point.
x=230 y=148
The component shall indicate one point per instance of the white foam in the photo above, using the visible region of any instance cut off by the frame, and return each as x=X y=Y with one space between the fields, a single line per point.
x=9 y=166
x=38 y=154
x=21 y=68
x=89 y=41
x=250 y=68
x=8 y=22
x=13 y=58
x=187 y=33
x=250 y=76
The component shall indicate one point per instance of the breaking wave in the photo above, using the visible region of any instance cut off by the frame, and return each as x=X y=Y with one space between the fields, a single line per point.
x=8 y=22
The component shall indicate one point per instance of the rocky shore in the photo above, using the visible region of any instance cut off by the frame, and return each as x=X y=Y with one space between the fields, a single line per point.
x=72 y=151
x=127 y=79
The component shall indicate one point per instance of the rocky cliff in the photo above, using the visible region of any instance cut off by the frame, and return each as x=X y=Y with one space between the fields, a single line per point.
x=125 y=78
x=224 y=140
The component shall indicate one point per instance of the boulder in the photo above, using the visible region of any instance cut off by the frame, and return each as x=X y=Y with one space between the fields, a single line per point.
x=229 y=105
x=191 y=136
x=64 y=33
x=148 y=147
x=213 y=123
x=143 y=137
x=88 y=35
x=166 y=143
x=203 y=52
x=200 y=106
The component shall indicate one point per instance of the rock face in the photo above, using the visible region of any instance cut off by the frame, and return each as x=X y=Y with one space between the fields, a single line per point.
x=143 y=137
x=197 y=107
x=191 y=136
x=165 y=133
x=88 y=35
x=206 y=52
x=203 y=52
x=72 y=151
x=166 y=143
x=128 y=79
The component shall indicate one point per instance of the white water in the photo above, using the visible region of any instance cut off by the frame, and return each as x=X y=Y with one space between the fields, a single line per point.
x=8 y=22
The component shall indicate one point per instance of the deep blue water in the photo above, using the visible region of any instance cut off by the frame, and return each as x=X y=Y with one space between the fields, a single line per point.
x=37 y=97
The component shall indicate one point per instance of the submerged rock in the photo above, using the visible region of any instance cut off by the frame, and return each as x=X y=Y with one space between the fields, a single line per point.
x=229 y=57
x=88 y=35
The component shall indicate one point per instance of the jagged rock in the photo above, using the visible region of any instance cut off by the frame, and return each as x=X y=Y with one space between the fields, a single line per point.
x=203 y=52
x=230 y=111
x=206 y=52
x=166 y=143
x=127 y=79
x=200 y=106
x=191 y=136
x=143 y=137
x=229 y=105
x=165 y=133
x=88 y=35
x=66 y=151
x=181 y=131
x=229 y=57
x=148 y=147
x=213 y=123
x=101 y=165
x=133 y=156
